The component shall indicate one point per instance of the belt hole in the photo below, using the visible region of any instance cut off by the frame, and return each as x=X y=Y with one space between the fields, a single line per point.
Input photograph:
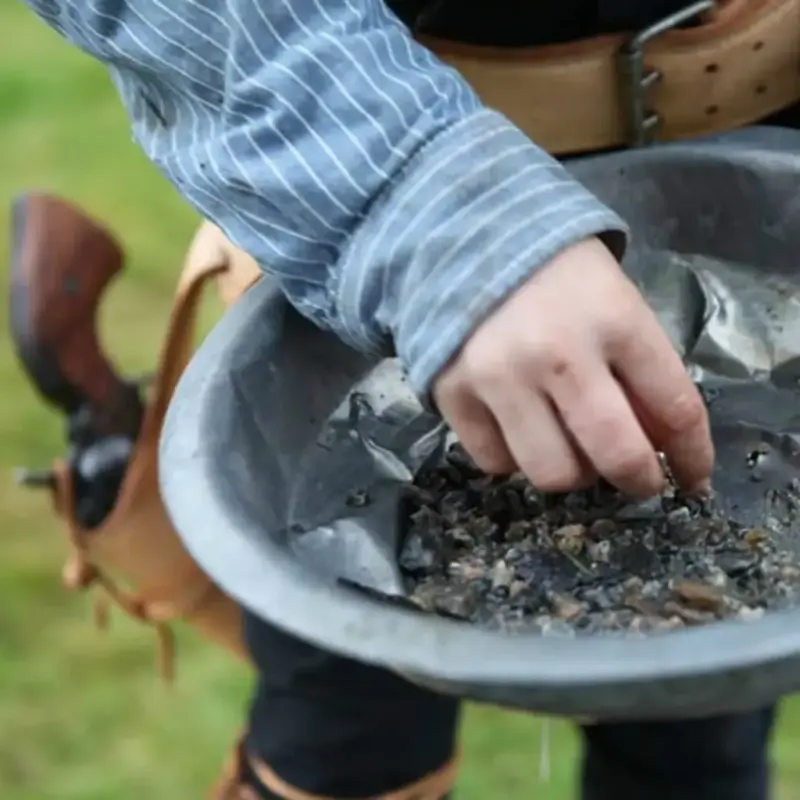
x=711 y=68
x=761 y=88
x=711 y=110
x=758 y=46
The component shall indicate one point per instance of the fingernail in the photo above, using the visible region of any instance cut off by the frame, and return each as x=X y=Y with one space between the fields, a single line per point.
x=703 y=489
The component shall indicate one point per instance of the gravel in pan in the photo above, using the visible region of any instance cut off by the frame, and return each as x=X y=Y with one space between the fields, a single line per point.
x=495 y=552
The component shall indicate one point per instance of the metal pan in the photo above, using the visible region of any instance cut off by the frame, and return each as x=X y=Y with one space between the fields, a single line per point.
x=276 y=424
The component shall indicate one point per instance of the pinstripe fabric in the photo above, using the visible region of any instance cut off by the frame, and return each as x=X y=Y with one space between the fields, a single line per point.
x=349 y=161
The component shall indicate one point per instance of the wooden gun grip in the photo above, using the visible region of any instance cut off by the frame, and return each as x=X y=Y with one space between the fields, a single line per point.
x=61 y=264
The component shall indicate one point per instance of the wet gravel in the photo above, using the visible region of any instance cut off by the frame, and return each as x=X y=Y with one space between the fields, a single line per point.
x=498 y=553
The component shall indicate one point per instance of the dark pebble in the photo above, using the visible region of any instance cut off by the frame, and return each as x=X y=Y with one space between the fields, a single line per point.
x=496 y=552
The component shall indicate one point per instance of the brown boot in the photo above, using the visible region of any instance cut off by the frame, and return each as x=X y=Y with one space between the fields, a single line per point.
x=239 y=774
x=231 y=784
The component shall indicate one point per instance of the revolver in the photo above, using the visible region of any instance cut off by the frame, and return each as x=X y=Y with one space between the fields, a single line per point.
x=62 y=262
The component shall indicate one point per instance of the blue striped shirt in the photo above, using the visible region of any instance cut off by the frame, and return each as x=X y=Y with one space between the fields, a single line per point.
x=350 y=162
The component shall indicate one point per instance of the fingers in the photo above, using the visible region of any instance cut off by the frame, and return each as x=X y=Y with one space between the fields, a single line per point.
x=582 y=422
x=476 y=428
x=521 y=431
x=667 y=401
x=554 y=383
x=595 y=409
x=538 y=441
x=585 y=427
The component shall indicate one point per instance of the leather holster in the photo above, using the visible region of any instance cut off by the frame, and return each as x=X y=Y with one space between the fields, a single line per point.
x=135 y=559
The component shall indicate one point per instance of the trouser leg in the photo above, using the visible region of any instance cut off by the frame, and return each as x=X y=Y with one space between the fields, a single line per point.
x=322 y=726
x=327 y=727
x=721 y=758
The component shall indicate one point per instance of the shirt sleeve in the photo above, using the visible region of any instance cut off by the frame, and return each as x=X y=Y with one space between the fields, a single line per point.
x=353 y=165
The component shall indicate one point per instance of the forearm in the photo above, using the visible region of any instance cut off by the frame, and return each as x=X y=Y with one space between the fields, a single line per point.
x=342 y=156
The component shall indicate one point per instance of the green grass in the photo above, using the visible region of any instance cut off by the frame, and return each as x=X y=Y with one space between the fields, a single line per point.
x=83 y=715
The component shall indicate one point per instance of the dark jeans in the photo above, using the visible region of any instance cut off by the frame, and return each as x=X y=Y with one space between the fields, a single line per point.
x=333 y=727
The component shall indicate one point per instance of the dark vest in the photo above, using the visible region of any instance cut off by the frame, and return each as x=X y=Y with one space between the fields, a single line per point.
x=518 y=23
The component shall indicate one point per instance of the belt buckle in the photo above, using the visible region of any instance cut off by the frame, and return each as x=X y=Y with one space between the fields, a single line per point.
x=637 y=79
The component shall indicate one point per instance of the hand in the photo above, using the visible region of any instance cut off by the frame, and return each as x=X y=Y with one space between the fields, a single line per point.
x=574 y=377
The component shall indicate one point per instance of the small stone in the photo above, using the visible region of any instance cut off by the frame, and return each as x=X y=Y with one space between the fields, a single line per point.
x=636 y=557
x=716 y=577
x=532 y=500
x=552 y=626
x=699 y=596
x=732 y=605
x=425 y=597
x=501 y=575
x=644 y=510
x=599 y=598
x=718 y=529
x=602 y=529
x=790 y=572
x=651 y=589
x=513 y=554
x=690 y=616
x=690 y=533
x=669 y=492
x=599 y=552
x=565 y=607
x=517 y=531
x=669 y=624
x=461 y=537
x=570 y=539
x=684 y=530
x=680 y=516
x=755 y=538
x=736 y=564
x=468 y=571
x=640 y=625
x=418 y=555
x=633 y=585
x=748 y=614
x=456 y=604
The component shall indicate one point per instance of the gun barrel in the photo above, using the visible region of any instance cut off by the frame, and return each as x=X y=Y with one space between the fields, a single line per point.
x=34 y=478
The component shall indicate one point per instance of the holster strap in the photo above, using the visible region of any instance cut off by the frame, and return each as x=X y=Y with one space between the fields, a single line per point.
x=434 y=786
x=739 y=66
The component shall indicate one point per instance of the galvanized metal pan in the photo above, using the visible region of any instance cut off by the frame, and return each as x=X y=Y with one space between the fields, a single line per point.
x=276 y=424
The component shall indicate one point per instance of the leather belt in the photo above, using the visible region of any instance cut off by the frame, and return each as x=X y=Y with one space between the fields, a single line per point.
x=665 y=83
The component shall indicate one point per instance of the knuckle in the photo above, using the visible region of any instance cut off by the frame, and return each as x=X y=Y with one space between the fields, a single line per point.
x=487 y=372
x=621 y=332
x=622 y=322
x=548 y=359
x=544 y=357
x=483 y=364
x=554 y=363
x=683 y=413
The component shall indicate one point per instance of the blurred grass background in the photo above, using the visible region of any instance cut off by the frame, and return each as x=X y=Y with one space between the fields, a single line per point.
x=83 y=714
